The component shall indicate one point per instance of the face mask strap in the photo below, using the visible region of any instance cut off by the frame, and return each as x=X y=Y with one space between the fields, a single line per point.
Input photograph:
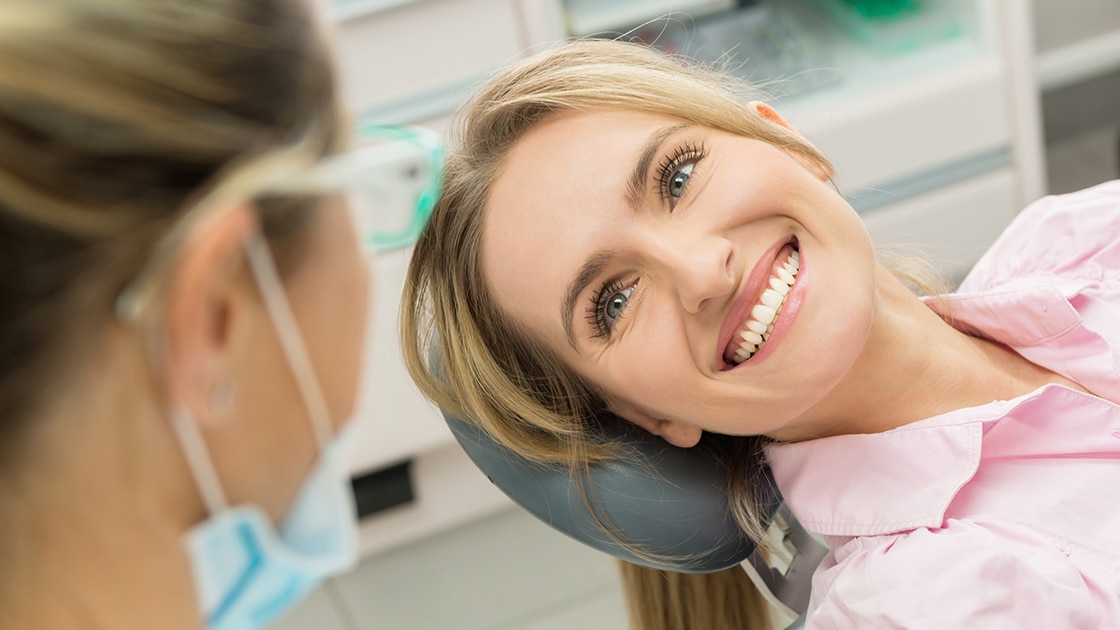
x=276 y=303
x=183 y=423
x=198 y=459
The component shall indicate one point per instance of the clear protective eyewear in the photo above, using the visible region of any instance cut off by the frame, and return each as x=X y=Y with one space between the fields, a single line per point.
x=392 y=178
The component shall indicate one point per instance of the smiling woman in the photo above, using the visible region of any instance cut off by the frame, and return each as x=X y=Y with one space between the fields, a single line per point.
x=521 y=392
x=675 y=256
x=623 y=234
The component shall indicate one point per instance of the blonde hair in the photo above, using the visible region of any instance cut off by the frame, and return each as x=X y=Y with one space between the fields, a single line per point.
x=114 y=116
x=663 y=600
x=472 y=360
x=489 y=370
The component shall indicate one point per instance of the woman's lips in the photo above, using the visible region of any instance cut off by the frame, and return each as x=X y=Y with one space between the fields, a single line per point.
x=751 y=322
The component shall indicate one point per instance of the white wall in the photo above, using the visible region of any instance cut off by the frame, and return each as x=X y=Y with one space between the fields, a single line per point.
x=1062 y=22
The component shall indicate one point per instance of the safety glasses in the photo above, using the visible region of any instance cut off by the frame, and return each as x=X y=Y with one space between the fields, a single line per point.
x=391 y=179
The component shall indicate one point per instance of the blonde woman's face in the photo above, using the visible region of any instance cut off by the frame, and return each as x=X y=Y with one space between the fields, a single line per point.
x=640 y=249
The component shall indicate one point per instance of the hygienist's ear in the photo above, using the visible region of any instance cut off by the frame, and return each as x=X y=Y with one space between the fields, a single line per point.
x=209 y=308
x=676 y=433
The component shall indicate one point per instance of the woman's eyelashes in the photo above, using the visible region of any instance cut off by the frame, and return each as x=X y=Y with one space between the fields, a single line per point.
x=607 y=306
x=675 y=170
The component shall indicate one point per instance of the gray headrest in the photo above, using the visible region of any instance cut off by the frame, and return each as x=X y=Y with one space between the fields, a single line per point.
x=672 y=502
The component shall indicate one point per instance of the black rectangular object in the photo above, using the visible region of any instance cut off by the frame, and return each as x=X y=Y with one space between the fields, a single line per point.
x=383 y=489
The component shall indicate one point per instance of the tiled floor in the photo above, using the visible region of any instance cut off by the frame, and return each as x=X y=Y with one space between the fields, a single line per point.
x=510 y=572
x=503 y=572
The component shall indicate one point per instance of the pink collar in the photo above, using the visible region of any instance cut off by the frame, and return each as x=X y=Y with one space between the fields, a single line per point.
x=875 y=484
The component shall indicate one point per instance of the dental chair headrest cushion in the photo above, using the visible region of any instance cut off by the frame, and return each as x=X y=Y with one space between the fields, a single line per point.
x=669 y=501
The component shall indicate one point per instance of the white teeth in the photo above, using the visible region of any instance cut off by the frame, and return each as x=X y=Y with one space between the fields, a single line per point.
x=771 y=298
x=760 y=324
x=751 y=337
x=763 y=313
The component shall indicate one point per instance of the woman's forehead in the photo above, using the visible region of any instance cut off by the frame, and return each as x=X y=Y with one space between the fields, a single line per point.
x=595 y=118
x=559 y=197
x=574 y=151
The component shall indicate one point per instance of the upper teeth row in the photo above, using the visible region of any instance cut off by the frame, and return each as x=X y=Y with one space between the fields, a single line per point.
x=760 y=324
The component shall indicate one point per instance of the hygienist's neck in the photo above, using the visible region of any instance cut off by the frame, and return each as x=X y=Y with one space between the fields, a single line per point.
x=94 y=514
x=914 y=366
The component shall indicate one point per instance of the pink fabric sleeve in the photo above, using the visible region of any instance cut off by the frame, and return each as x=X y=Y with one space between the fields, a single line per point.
x=960 y=576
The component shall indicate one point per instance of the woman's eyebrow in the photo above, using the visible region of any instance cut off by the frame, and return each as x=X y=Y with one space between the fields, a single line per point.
x=635 y=187
x=591 y=268
x=597 y=262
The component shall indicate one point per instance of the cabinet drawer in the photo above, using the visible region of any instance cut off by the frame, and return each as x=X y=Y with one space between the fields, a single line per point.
x=397 y=422
x=410 y=52
x=951 y=226
x=880 y=134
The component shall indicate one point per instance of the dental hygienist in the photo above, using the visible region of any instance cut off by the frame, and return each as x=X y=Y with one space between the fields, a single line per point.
x=183 y=298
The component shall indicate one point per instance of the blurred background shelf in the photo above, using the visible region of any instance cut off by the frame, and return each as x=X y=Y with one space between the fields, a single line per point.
x=592 y=17
x=342 y=10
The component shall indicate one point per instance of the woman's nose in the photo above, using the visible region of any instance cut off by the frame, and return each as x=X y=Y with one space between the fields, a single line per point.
x=699 y=269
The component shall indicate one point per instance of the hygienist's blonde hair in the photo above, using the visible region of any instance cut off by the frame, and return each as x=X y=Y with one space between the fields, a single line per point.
x=116 y=118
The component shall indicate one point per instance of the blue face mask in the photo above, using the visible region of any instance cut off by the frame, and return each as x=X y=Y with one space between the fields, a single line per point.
x=247 y=573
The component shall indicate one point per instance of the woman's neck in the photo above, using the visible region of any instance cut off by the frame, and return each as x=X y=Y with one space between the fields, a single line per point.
x=916 y=365
x=98 y=513
x=75 y=573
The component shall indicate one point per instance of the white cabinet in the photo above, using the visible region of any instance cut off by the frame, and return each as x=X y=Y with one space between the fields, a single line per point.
x=938 y=147
x=415 y=60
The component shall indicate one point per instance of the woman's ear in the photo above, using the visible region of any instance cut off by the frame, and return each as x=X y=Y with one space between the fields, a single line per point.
x=678 y=434
x=770 y=114
x=207 y=307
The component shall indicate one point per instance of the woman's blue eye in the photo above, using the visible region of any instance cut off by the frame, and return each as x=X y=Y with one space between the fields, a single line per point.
x=617 y=302
x=675 y=171
x=678 y=180
x=610 y=303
